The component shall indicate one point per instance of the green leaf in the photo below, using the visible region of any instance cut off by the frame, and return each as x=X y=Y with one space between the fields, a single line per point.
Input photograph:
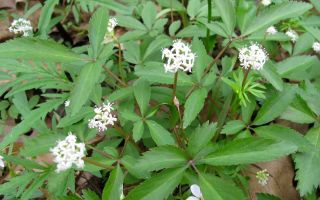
x=138 y=130
x=58 y=183
x=269 y=72
x=233 y=127
x=130 y=22
x=163 y=157
x=130 y=163
x=315 y=31
x=307 y=165
x=174 y=4
x=97 y=30
x=277 y=13
x=249 y=150
x=159 y=134
x=295 y=64
x=27 y=194
x=193 y=106
x=201 y=137
x=193 y=8
x=28 y=164
x=29 y=120
x=45 y=17
x=275 y=105
x=121 y=94
x=263 y=196
x=112 y=189
x=142 y=93
x=37 y=49
x=227 y=13
x=113 y=5
x=174 y=27
x=158 y=187
x=88 y=194
x=213 y=187
x=158 y=43
x=39 y=145
x=284 y=134
x=303 y=44
x=149 y=13
x=89 y=76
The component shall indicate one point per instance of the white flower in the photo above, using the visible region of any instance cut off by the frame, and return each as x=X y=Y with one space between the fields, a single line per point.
x=103 y=117
x=67 y=103
x=316 y=47
x=195 y=190
x=271 y=30
x=21 y=26
x=263 y=177
x=67 y=152
x=266 y=2
x=1 y=162
x=178 y=57
x=253 y=56
x=112 y=24
x=292 y=35
x=121 y=193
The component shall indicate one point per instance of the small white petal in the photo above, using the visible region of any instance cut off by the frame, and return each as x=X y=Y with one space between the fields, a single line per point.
x=195 y=189
x=192 y=198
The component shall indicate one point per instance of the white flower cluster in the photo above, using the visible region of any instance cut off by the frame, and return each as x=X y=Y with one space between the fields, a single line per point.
x=263 y=177
x=21 y=26
x=68 y=152
x=253 y=56
x=271 y=30
x=266 y=2
x=1 y=162
x=178 y=57
x=112 y=24
x=103 y=117
x=292 y=35
x=195 y=190
x=67 y=103
x=316 y=47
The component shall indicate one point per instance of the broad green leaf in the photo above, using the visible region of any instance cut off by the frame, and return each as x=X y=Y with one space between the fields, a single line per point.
x=249 y=150
x=138 y=130
x=174 y=4
x=39 y=145
x=142 y=93
x=284 y=134
x=113 y=5
x=227 y=13
x=88 y=194
x=89 y=76
x=163 y=157
x=307 y=164
x=130 y=22
x=149 y=13
x=29 y=121
x=130 y=163
x=295 y=64
x=193 y=8
x=27 y=194
x=201 y=136
x=97 y=29
x=58 y=183
x=275 y=105
x=158 y=187
x=26 y=163
x=112 y=189
x=174 y=27
x=45 y=17
x=233 y=127
x=68 y=120
x=159 y=134
x=37 y=49
x=303 y=44
x=277 y=13
x=314 y=31
x=265 y=196
x=193 y=106
x=270 y=73
x=213 y=187
x=155 y=46
x=121 y=94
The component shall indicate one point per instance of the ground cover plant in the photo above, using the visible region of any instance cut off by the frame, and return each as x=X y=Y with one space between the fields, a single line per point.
x=163 y=99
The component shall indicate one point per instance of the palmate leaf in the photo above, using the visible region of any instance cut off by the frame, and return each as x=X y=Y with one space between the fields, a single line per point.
x=89 y=76
x=249 y=150
x=227 y=14
x=162 y=158
x=158 y=187
x=112 y=189
x=59 y=183
x=38 y=49
x=159 y=134
x=277 y=13
x=295 y=64
x=213 y=187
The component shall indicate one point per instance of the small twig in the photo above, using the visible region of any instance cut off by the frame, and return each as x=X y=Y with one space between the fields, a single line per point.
x=245 y=77
x=97 y=163
x=101 y=152
x=114 y=76
x=174 y=87
x=191 y=162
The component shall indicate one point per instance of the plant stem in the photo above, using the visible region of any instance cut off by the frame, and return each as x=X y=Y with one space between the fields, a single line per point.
x=174 y=87
x=191 y=162
x=209 y=17
x=114 y=76
x=121 y=70
x=97 y=163
x=245 y=77
x=101 y=152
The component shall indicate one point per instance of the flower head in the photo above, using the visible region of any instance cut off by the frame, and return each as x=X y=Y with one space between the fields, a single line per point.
x=266 y=2
x=112 y=24
x=67 y=152
x=178 y=57
x=67 y=103
x=292 y=35
x=21 y=26
x=263 y=177
x=253 y=56
x=1 y=162
x=316 y=47
x=271 y=30
x=195 y=190
x=103 y=117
